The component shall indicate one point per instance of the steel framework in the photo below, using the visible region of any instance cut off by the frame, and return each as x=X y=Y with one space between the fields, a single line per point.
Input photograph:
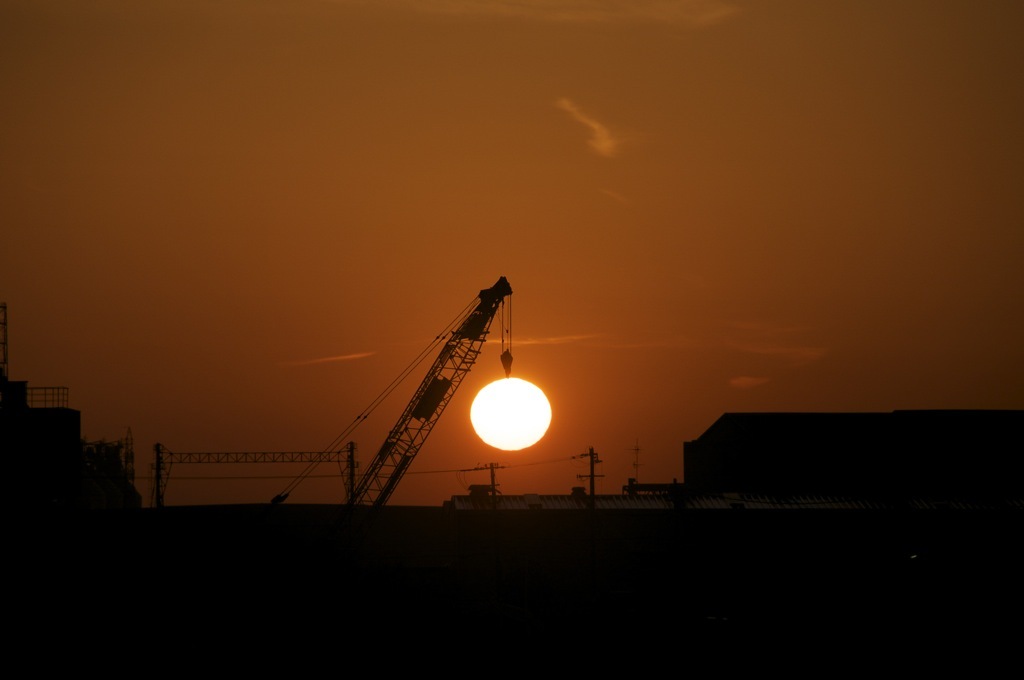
x=456 y=358
x=164 y=458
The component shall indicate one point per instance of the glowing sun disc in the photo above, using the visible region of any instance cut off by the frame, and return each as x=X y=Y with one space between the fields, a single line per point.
x=510 y=414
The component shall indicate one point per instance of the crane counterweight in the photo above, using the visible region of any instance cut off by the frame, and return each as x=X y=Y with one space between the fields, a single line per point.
x=506 y=362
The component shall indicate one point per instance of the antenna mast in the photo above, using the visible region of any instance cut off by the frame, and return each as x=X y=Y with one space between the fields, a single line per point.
x=636 y=461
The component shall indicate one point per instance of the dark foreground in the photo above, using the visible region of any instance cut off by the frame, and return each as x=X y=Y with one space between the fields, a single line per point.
x=265 y=587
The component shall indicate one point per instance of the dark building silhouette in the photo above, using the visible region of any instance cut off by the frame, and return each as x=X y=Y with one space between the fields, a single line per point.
x=836 y=526
x=49 y=464
x=934 y=453
x=41 y=445
x=46 y=462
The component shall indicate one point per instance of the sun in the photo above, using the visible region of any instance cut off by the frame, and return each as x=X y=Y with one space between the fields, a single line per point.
x=510 y=414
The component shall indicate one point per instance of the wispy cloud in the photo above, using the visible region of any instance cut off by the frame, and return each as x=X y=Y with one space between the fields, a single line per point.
x=653 y=343
x=554 y=340
x=693 y=13
x=795 y=355
x=758 y=339
x=328 y=360
x=746 y=382
x=614 y=195
x=601 y=139
x=776 y=341
x=603 y=340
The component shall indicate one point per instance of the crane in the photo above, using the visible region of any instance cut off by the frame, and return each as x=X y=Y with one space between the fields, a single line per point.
x=408 y=435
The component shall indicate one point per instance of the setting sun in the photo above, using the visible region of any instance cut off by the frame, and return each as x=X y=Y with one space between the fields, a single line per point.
x=510 y=414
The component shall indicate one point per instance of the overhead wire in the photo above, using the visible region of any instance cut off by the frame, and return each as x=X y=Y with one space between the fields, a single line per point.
x=460 y=473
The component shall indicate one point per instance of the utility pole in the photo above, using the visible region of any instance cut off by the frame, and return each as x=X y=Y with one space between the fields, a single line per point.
x=594 y=460
x=592 y=505
x=350 y=460
x=3 y=342
x=636 y=460
x=492 y=497
x=494 y=486
x=158 y=476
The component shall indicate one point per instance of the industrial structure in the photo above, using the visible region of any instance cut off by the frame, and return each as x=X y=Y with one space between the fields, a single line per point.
x=802 y=522
x=458 y=354
x=51 y=466
x=37 y=422
x=163 y=460
x=460 y=345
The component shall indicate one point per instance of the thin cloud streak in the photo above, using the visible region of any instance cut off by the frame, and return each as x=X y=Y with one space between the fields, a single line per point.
x=746 y=382
x=601 y=139
x=797 y=356
x=598 y=340
x=328 y=360
x=768 y=341
x=614 y=195
x=670 y=343
x=553 y=340
x=693 y=13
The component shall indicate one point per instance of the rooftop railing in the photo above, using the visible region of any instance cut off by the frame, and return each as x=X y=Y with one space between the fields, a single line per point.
x=47 y=397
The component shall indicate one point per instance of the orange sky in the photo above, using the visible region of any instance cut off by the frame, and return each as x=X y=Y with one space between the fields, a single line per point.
x=702 y=207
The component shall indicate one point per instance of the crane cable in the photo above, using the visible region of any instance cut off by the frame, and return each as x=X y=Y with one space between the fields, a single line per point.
x=506 y=328
x=347 y=432
x=506 y=325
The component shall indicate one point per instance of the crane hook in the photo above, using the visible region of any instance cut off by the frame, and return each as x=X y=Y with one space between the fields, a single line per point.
x=506 y=362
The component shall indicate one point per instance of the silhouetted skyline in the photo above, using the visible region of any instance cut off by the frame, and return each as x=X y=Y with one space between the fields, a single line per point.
x=229 y=227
